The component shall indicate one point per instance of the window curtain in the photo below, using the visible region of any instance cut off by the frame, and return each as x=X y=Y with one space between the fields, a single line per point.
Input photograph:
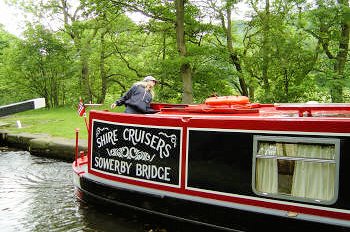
x=311 y=179
x=266 y=176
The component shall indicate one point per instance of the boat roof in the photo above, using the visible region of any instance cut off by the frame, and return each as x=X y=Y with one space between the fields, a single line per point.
x=337 y=110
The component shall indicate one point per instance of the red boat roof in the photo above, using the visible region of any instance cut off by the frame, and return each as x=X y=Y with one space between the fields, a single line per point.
x=256 y=109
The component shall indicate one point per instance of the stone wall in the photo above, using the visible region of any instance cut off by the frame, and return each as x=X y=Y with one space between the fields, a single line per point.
x=43 y=144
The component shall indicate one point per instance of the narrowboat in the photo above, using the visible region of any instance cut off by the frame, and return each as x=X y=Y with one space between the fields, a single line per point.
x=226 y=164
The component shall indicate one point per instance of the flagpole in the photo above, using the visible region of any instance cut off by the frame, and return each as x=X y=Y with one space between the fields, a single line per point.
x=86 y=123
x=82 y=110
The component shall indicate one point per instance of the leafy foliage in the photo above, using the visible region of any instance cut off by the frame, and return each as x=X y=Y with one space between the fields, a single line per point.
x=288 y=51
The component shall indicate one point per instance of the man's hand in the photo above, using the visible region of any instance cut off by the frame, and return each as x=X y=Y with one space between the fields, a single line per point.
x=113 y=106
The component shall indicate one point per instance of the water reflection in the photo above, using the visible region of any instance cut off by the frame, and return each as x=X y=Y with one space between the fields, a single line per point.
x=37 y=194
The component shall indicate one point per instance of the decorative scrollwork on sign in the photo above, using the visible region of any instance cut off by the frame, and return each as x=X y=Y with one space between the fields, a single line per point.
x=99 y=130
x=172 y=137
x=130 y=153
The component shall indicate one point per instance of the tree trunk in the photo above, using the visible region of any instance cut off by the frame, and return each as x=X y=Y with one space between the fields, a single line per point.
x=81 y=49
x=338 y=81
x=87 y=96
x=233 y=55
x=185 y=69
x=265 y=51
x=103 y=74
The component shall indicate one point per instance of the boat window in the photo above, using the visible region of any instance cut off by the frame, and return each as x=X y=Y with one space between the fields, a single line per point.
x=219 y=161
x=303 y=169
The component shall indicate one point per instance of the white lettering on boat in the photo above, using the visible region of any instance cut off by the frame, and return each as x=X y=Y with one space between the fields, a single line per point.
x=106 y=138
x=152 y=172
x=136 y=136
x=119 y=167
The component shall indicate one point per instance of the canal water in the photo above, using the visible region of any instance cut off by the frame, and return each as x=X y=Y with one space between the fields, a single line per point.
x=37 y=194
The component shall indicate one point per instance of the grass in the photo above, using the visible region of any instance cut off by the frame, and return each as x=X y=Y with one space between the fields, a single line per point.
x=58 y=122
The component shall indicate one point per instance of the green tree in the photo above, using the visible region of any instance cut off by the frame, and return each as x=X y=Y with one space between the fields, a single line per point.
x=12 y=87
x=330 y=25
x=224 y=14
x=44 y=64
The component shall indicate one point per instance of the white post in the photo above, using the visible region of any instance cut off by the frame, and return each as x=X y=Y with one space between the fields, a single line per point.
x=19 y=124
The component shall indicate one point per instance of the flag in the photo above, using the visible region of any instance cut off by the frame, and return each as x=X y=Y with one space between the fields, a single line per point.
x=81 y=108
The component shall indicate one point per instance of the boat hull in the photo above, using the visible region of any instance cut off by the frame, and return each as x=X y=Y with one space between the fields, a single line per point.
x=212 y=217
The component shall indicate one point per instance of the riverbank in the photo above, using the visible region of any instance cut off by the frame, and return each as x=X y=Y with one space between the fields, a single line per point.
x=45 y=132
x=57 y=122
x=43 y=144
